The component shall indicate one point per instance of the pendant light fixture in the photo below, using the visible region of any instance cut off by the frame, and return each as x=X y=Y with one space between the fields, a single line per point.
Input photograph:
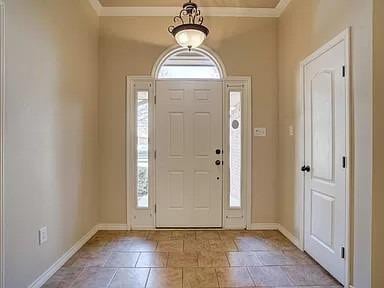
x=191 y=32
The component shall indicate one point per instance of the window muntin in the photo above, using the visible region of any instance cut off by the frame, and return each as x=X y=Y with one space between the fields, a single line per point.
x=142 y=148
x=189 y=65
x=235 y=149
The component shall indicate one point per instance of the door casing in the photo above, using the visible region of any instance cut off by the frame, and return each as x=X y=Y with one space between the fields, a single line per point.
x=231 y=218
x=2 y=118
x=300 y=160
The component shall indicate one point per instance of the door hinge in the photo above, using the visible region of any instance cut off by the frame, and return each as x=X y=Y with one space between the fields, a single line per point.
x=344 y=162
x=155 y=208
x=155 y=154
x=343 y=252
x=154 y=99
x=344 y=71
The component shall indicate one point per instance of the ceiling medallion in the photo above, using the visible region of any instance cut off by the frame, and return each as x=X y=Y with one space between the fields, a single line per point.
x=191 y=32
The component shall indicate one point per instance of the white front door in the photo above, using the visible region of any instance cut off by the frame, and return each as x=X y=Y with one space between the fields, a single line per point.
x=325 y=151
x=189 y=153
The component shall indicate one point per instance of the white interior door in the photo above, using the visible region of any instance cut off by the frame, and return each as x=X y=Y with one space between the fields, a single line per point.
x=188 y=145
x=325 y=151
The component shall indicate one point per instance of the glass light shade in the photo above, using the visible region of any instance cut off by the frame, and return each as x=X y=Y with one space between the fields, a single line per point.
x=190 y=38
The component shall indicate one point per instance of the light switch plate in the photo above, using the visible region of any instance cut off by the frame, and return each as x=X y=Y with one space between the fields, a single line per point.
x=43 y=235
x=260 y=132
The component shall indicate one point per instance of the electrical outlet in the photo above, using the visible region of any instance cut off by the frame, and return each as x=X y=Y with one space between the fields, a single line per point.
x=43 y=235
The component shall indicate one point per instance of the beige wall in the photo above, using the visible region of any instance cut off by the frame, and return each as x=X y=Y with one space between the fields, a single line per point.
x=304 y=27
x=131 y=46
x=378 y=136
x=51 y=132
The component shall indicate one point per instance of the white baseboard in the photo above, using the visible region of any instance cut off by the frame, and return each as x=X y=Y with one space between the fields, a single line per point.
x=264 y=226
x=290 y=236
x=109 y=226
x=61 y=261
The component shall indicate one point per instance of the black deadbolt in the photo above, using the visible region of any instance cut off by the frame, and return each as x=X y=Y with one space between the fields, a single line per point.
x=218 y=151
x=306 y=168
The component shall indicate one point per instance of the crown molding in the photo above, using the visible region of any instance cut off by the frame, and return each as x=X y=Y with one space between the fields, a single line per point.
x=280 y=8
x=207 y=11
x=96 y=6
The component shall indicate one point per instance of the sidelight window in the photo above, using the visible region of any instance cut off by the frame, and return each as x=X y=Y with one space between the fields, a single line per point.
x=142 y=146
x=235 y=151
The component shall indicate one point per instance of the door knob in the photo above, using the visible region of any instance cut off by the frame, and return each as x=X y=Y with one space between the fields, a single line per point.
x=306 y=168
x=218 y=162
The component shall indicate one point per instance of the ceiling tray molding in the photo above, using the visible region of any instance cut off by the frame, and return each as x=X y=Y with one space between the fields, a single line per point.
x=207 y=11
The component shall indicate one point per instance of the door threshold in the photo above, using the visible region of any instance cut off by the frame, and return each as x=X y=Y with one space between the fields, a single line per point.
x=189 y=228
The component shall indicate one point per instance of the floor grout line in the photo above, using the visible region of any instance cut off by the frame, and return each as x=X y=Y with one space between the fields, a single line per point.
x=73 y=281
x=250 y=276
x=226 y=256
x=146 y=281
x=113 y=277
x=137 y=260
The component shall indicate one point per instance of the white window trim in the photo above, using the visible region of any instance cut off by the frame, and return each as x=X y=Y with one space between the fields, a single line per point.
x=175 y=49
x=144 y=218
x=238 y=217
x=2 y=118
x=138 y=217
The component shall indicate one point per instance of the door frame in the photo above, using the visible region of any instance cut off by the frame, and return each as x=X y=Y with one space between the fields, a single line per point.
x=300 y=159
x=150 y=213
x=2 y=120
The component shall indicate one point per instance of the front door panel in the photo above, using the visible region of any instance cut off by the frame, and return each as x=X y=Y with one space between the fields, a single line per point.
x=188 y=133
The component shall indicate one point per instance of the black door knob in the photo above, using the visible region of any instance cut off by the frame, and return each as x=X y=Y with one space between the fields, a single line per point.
x=218 y=162
x=305 y=168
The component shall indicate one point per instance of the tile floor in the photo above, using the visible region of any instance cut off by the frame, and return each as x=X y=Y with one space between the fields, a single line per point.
x=190 y=259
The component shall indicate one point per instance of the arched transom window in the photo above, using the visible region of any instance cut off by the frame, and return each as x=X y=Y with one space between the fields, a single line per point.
x=184 y=64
